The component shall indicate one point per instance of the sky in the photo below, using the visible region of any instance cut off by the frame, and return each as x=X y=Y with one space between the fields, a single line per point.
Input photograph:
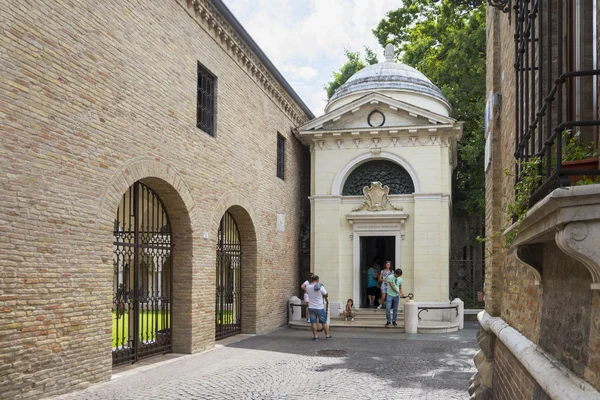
x=305 y=39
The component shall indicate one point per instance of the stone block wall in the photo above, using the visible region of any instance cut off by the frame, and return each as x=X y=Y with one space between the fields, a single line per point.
x=93 y=97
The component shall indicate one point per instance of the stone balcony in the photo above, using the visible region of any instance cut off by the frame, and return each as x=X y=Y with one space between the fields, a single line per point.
x=570 y=216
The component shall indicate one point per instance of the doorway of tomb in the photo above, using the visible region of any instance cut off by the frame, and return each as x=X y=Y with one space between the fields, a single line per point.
x=228 y=305
x=142 y=277
x=374 y=250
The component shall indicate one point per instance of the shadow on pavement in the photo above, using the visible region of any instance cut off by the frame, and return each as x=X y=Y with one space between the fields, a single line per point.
x=440 y=361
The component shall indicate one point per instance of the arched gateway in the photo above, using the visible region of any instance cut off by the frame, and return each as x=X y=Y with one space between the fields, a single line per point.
x=142 y=279
x=228 y=304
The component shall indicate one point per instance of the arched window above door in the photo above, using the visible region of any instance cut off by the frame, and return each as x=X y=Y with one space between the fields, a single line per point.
x=387 y=172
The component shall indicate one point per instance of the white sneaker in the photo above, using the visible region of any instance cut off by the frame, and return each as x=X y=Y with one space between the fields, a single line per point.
x=308 y=320
x=352 y=319
x=345 y=319
x=379 y=307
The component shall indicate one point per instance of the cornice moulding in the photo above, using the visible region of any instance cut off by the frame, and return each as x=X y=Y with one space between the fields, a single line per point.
x=374 y=98
x=355 y=200
x=356 y=142
x=432 y=196
x=209 y=17
x=392 y=131
x=356 y=218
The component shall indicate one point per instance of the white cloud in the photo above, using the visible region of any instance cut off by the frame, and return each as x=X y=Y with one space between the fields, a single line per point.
x=305 y=39
x=299 y=73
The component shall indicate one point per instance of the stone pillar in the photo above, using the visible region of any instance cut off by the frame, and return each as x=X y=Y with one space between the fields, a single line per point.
x=294 y=304
x=461 y=312
x=411 y=320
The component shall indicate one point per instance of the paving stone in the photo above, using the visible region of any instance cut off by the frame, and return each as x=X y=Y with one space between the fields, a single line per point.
x=286 y=364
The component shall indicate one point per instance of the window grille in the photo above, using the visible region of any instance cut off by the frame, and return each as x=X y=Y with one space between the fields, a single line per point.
x=555 y=74
x=387 y=172
x=205 y=113
x=280 y=156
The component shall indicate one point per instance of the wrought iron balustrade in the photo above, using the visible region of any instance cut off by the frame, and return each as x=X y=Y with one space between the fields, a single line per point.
x=426 y=309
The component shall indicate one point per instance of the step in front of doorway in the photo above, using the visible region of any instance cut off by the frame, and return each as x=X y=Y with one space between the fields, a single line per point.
x=376 y=317
x=337 y=323
x=377 y=325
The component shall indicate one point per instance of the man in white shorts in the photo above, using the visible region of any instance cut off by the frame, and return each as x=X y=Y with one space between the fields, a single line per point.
x=316 y=306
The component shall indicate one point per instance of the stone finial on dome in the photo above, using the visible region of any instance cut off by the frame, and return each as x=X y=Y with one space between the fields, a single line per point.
x=389 y=52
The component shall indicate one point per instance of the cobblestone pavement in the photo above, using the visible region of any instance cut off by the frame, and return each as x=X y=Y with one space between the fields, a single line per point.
x=286 y=364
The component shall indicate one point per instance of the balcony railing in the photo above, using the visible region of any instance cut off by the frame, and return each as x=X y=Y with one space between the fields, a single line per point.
x=556 y=88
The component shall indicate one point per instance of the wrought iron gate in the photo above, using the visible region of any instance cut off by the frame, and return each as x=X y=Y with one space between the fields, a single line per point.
x=143 y=271
x=466 y=281
x=228 y=305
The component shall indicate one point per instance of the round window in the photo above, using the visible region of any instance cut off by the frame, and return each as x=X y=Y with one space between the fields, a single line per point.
x=376 y=118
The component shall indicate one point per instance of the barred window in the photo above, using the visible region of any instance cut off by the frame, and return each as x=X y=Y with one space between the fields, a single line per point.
x=205 y=107
x=280 y=156
x=556 y=78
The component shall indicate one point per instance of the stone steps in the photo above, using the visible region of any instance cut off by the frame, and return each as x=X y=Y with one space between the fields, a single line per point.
x=370 y=313
x=337 y=323
x=379 y=325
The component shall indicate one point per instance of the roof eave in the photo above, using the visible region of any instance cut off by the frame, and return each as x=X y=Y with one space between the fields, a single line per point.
x=228 y=15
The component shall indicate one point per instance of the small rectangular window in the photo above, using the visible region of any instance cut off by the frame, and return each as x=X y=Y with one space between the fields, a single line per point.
x=280 y=156
x=205 y=115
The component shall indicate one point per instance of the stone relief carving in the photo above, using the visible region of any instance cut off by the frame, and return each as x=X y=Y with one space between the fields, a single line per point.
x=406 y=141
x=580 y=241
x=377 y=198
x=389 y=173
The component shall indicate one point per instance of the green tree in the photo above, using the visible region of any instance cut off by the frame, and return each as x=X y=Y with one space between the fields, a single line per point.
x=445 y=40
x=353 y=64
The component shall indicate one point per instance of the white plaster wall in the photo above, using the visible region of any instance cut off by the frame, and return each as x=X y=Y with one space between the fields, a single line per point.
x=431 y=249
x=431 y=164
x=425 y=249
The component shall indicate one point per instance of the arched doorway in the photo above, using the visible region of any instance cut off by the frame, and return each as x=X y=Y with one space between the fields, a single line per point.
x=228 y=304
x=142 y=279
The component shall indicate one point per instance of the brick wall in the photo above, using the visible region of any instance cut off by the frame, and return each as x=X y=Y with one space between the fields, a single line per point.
x=511 y=380
x=522 y=301
x=94 y=96
x=561 y=314
x=565 y=332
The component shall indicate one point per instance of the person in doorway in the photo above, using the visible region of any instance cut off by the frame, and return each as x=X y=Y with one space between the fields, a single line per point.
x=372 y=278
x=316 y=307
x=349 y=310
x=383 y=279
x=394 y=292
x=376 y=265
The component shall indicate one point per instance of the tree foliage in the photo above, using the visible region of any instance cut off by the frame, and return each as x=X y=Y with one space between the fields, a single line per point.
x=353 y=64
x=446 y=41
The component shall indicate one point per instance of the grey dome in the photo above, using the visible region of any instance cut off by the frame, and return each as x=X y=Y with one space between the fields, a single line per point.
x=389 y=75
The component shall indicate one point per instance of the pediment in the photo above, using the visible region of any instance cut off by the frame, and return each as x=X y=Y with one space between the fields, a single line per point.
x=374 y=111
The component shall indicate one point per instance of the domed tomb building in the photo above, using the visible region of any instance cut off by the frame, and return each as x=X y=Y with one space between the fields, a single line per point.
x=389 y=125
